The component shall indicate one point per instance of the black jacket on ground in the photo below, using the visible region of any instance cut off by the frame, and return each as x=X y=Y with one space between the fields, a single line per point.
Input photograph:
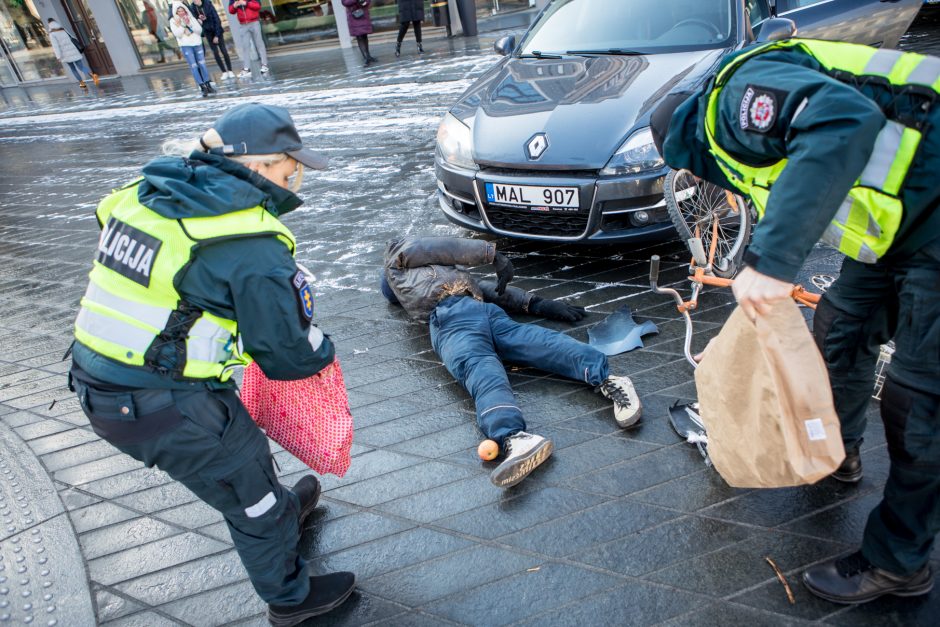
x=422 y=271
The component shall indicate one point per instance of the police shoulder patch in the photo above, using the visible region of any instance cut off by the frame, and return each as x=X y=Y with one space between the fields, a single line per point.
x=759 y=108
x=304 y=295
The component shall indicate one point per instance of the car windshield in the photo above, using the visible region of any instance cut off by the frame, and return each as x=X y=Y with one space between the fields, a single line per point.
x=630 y=27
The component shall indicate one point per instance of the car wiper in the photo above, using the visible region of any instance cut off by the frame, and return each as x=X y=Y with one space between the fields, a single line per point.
x=536 y=54
x=610 y=51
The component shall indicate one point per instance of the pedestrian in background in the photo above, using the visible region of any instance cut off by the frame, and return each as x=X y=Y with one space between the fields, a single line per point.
x=193 y=272
x=156 y=24
x=409 y=12
x=360 y=25
x=188 y=33
x=248 y=13
x=214 y=33
x=65 y=51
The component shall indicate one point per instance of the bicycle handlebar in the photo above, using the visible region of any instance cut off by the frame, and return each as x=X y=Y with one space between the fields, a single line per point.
x=654 y=273
x=668 y=291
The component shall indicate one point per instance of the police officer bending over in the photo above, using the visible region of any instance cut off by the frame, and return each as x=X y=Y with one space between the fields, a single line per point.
x=841 y=143
x=194 y=271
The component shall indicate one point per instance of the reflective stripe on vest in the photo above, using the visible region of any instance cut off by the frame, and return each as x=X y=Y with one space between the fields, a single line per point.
x=131 y=306
x=866 y=223
x=209 y=342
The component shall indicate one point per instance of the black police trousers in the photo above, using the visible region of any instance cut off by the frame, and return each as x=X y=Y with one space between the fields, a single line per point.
x=206 y=440
x=868 y=305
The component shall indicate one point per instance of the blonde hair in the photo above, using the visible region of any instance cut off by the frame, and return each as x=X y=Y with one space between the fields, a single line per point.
x=211 y=139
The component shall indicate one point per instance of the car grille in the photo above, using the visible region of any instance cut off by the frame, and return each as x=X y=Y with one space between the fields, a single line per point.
x=534 y=223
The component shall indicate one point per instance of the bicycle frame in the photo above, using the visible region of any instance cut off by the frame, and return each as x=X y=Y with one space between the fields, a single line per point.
x=701 y=276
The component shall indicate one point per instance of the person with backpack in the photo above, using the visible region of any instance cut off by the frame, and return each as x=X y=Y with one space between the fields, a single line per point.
x=65 y=48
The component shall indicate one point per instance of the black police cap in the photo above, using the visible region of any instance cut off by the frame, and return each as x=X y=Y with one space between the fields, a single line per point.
x=257 y=129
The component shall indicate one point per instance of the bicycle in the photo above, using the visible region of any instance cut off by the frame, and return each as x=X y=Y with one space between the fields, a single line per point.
x=716 y=227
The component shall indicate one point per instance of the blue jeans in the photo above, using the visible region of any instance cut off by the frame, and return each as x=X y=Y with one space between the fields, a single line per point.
x=196 y=57
x=472 y=338
x=78 y=68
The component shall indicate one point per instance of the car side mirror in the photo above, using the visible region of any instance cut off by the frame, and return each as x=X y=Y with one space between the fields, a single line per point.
x=505 y=46
x=776 y=29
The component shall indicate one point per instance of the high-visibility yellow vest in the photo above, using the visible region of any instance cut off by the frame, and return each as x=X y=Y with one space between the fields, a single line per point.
x=868 y=219
x=132 y=309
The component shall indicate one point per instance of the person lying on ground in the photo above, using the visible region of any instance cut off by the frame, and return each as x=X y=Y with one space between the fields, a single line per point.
x=472 y=334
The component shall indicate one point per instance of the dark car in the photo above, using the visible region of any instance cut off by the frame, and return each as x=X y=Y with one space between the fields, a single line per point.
x=553 y=142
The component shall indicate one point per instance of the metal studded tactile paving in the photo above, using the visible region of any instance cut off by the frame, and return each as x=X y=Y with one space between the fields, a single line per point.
x=42 y=574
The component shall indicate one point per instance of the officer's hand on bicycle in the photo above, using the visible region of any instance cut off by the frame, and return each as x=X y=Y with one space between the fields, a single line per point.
x=757 y=293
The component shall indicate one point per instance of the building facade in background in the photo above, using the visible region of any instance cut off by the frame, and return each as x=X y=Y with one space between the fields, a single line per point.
x=123 y=37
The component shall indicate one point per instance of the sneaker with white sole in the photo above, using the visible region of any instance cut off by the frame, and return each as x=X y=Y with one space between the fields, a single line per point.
x=246 y=73
x=523 y=454
x=627 y=407
x=264 y=69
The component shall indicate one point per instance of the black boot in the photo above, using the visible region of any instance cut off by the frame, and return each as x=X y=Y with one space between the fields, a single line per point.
x=397 y=48
x=850 y=471
x=363 y=48
x=420 y=49
x=368 y=55
x=308 y=491
x=327 y=592
x=202 y=88
x=853 y=579
x=210 y=88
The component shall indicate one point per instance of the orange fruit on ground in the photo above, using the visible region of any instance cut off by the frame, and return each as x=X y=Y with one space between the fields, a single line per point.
x=488 y=450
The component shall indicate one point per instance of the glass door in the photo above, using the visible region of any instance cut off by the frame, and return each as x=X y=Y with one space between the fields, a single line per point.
x=26 y=49
x=86 y=29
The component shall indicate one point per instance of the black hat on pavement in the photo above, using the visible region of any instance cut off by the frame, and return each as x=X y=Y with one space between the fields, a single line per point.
x=257 y=129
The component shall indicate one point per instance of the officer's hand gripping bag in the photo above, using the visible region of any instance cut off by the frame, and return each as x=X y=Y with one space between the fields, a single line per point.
x=766 y=402
x=309 y=417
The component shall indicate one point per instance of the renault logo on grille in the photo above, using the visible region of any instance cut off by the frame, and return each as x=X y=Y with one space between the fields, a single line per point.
x=536 y=146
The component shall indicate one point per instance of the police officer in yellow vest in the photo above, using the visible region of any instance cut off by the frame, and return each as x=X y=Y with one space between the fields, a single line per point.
x=194 y=273
x=841 y=143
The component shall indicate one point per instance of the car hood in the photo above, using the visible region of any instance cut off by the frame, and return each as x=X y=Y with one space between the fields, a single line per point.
x=586 y=106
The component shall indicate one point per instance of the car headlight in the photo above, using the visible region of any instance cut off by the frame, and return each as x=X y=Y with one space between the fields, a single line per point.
x=637 y=154
x=454 y=140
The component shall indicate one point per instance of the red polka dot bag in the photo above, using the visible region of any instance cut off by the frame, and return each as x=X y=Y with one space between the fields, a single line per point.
x=309 y=417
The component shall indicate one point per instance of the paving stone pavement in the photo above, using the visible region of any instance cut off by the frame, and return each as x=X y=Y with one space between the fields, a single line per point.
x=618 y=527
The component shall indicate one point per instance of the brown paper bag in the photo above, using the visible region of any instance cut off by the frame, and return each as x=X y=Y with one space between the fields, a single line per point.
x=765 y=399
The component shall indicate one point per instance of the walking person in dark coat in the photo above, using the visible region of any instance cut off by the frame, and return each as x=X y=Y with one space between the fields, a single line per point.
x=409 y=11
x=360 y=25
x=213 y=32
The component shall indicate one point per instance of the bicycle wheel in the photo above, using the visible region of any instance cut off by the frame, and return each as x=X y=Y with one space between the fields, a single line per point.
x=693 y=205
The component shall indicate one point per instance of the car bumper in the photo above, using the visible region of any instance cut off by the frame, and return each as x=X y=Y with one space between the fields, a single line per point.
x=611 y=208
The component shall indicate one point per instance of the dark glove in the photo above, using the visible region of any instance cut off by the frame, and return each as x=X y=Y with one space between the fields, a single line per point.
x=556 y=310
x=503 y=272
